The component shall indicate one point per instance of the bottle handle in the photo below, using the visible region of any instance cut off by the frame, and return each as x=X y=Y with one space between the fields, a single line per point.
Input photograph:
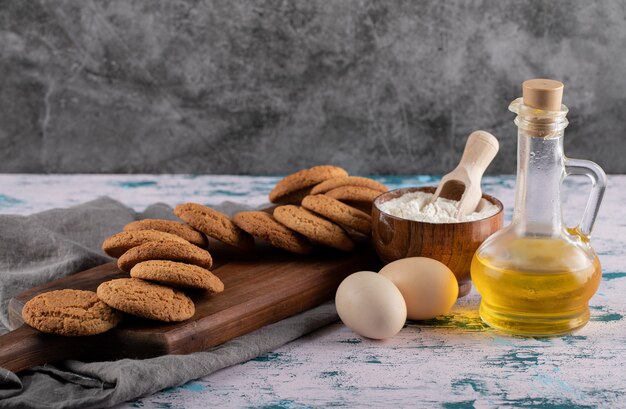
x=598 y=186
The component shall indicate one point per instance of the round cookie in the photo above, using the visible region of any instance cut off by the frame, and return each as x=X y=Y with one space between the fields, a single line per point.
x=264 y=226
x=214 y=224
x=333 y=183
x=154 y=250
x=353 y=193
x=177 y=274
x=120 y=243
x=70 y=313
x=340 y=213
x=297 y=185
x=146 y=300
x=313 y=227
x=169 y=226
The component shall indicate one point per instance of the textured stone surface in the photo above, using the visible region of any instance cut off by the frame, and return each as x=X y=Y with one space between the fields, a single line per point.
x=268 y=87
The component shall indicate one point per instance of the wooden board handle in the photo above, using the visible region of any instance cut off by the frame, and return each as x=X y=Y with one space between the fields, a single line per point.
x=26 y=347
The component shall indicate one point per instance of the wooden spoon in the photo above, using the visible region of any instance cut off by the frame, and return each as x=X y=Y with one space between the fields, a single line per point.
x=463 y=183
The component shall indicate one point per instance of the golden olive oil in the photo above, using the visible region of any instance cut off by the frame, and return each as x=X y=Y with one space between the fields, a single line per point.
x=535 y=286
x=536 y=275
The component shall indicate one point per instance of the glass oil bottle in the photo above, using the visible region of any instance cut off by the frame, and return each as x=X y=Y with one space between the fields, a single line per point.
x=536 y=276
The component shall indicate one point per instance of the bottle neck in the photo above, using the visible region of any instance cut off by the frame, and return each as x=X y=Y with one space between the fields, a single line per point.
x=540 y=171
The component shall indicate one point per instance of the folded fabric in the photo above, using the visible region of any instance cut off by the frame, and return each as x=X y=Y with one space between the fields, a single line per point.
x=42 y=247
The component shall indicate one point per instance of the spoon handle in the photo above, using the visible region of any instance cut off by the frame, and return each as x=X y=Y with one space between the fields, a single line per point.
x=480 y=149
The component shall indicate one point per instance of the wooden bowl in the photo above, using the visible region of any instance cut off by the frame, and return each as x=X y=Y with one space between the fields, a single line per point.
x=454 y=244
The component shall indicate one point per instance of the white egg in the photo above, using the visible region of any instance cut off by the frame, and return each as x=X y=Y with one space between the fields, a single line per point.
x=371 y=305
x=428 y=286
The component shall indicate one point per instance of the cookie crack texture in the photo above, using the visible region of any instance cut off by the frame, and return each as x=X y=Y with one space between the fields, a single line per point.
x=355 y=193
x=118 y=244
x=315 y=228
x=177 y=274
x=165 y=251
x=339 y=212
x=147 y=300
x=330 y=184
x=168 y=226
x=303 y=180
x=69 y=312
x=265 y=226
x=214 y=224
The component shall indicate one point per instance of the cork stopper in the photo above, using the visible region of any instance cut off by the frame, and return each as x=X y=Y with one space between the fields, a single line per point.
x=543 y=94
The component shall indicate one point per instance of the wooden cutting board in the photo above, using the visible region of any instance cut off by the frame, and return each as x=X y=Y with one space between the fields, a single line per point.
x=260 y=289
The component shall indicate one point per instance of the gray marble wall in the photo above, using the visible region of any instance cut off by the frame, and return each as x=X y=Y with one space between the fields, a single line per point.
x=266 y=87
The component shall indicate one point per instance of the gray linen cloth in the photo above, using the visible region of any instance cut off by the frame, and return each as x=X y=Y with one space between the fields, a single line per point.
x=41 y=247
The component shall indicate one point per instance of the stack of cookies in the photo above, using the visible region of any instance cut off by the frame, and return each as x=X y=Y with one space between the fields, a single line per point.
x=161 y=257
x=320 y=205
x=160 y=254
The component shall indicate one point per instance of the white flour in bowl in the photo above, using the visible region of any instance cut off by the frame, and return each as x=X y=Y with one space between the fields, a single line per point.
x=416 y=206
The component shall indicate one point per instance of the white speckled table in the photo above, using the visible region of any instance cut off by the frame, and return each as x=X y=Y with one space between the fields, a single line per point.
x=451 y=362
